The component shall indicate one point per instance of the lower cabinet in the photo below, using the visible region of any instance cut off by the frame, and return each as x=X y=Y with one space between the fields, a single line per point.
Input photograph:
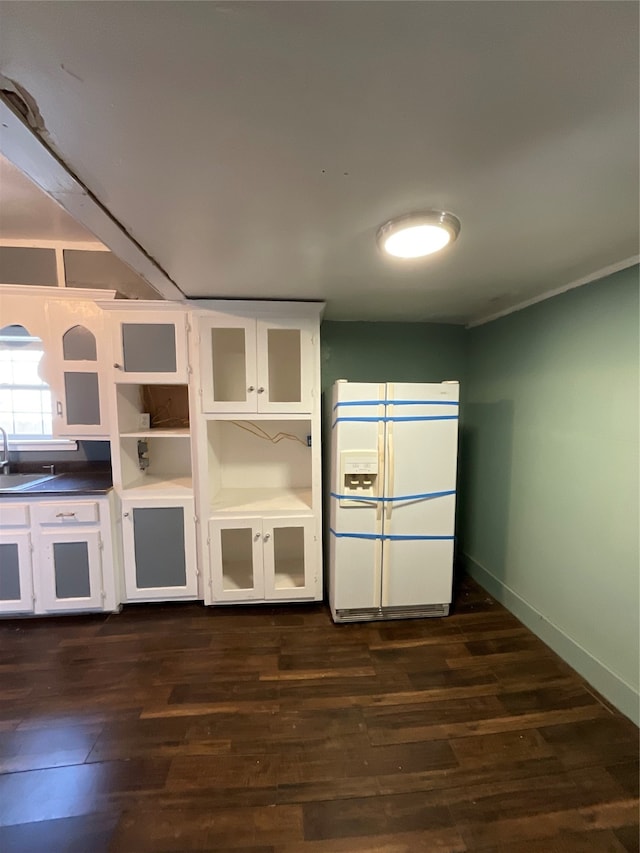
x=159 y=552
x=262 y=559
x=70 y=576
x=56 y=556
x=16 y=587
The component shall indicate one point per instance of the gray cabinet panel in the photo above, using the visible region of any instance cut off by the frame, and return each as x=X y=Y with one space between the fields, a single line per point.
x=159 y=541
x=71 y=567
x=149 y=347
x=83 y=398
x=9 y=572
x=79 y=344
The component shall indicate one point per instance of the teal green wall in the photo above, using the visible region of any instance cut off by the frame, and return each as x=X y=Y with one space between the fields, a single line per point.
x=391 y=352
x=549 y=492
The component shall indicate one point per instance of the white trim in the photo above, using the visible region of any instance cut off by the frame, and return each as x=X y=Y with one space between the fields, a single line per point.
x=42 y=444
x=549 y=294
x=32 y=243
x=84 y=293
x=613 y=687
x=29 y=153
x=273 y=308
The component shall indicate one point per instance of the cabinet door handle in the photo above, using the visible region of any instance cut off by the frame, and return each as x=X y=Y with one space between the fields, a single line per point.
x=117 y=366
x=65 y=515
x=251 y=388
x=256 y=537
x=261 y=390
x=59 y=407
x=125 y=514
x=266 y=537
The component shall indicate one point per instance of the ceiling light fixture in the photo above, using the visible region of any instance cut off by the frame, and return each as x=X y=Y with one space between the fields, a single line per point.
x=416 y=235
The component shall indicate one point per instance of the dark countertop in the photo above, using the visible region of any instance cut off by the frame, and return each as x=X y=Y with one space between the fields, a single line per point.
x=74 y=483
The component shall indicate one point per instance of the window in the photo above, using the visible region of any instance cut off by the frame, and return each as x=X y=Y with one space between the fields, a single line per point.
x=25 y=400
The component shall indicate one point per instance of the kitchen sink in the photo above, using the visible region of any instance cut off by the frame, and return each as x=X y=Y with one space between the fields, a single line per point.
x=16 y=482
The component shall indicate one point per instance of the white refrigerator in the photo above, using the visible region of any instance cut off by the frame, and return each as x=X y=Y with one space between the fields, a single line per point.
x=394 y=450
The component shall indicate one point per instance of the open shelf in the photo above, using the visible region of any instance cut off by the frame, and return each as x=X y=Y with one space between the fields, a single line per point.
x=261 y=500
x=166 y=405
x=158 y=432
x=148 y=485
x=248 y=472
x=168 y=460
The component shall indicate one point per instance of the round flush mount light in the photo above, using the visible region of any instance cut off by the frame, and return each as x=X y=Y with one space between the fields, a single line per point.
x=418 y=234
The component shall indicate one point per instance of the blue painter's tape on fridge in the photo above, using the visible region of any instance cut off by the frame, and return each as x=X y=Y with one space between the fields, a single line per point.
x=397 y=403
x=395 y=537
x=397 y=418
x=395 y=499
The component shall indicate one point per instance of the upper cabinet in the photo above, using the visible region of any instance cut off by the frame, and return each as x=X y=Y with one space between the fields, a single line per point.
x=77 y=376
x=150 y=345
x=256 y=364
x=67 y=335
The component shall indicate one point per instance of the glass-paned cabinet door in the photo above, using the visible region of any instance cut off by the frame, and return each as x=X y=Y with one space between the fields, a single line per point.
x=289 y=567
x=150 y=346
x=16 y=591
x=228 y=364
x=78 y=379
x=285 y=366
x=70 y=574
x=158 y=536
x=235 y=548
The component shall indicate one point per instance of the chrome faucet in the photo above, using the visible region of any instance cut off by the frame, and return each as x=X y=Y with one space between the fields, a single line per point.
x=4 y=462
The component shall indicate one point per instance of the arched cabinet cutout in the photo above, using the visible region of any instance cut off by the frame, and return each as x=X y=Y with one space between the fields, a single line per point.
x=79 y=392
x=79 y=344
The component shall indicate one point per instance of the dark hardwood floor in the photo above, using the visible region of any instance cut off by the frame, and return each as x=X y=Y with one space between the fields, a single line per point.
x=271 y=730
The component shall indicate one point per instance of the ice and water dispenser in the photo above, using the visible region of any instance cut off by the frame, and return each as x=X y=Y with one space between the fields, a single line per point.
x=358 y=477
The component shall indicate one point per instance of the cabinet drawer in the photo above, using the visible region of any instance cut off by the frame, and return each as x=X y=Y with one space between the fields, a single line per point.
x=69 y=513
x=14 y=515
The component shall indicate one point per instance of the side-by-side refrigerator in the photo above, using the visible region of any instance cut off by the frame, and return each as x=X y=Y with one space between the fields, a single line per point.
x=394 y=449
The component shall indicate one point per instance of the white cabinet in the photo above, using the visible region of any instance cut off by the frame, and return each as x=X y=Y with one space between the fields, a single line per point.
x=149 y=344
x=237 y=573
x=16 y=588
x=70 y=570
x=257 y=450
x=270 y=559
x=56 y=555
x=250 y=364
x=151 y=447
x=158 y=539
x=74 y=566
x=78 y=354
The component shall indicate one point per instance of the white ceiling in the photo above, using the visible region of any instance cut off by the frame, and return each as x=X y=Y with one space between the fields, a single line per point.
x=253 y=148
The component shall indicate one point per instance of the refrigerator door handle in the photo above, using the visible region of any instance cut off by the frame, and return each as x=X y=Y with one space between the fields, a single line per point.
x=389 y=487
x=379 y=503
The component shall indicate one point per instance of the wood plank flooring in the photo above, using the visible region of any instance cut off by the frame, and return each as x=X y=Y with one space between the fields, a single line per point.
x=271 y=730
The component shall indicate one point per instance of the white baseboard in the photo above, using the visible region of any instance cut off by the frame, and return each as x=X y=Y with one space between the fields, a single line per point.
x=618 y=692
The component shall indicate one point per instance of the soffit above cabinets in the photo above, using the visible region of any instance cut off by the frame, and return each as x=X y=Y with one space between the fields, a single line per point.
x=42 y=245
x=252 y=149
